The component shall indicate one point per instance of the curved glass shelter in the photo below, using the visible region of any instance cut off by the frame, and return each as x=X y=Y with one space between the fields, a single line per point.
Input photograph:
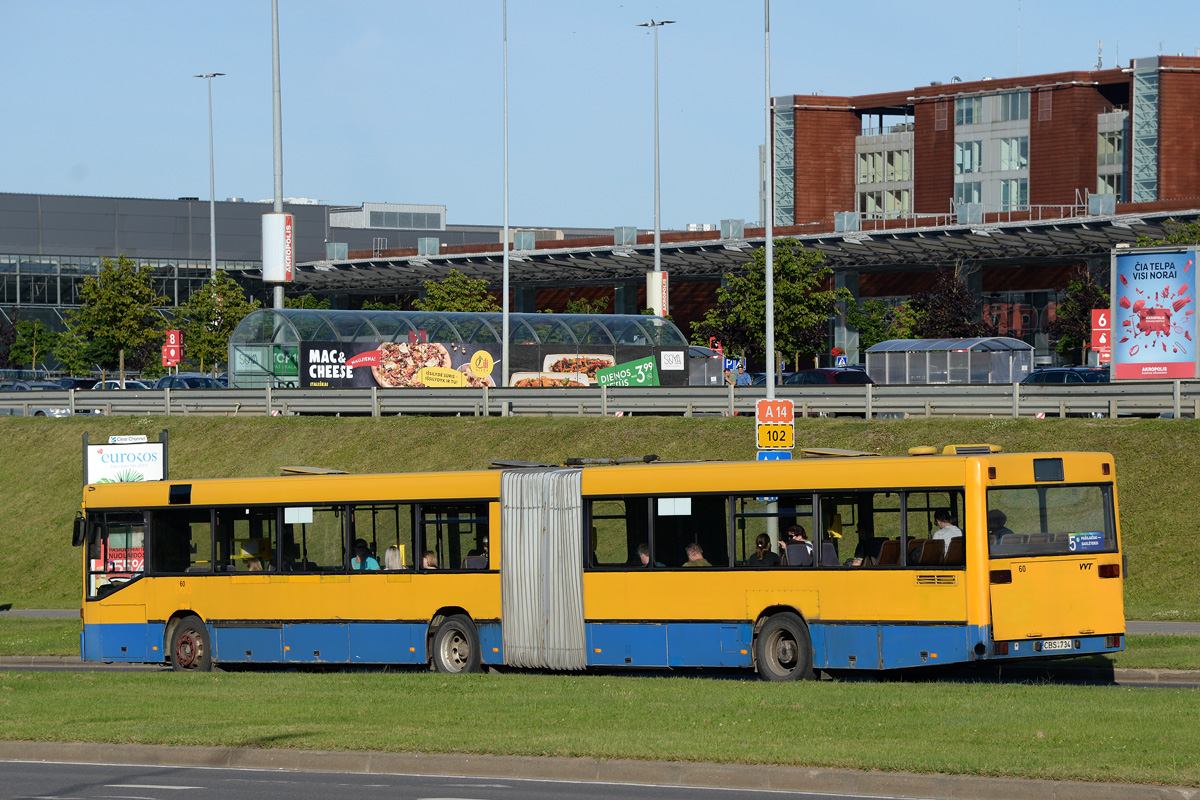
x=990 y=359
x=325 y=347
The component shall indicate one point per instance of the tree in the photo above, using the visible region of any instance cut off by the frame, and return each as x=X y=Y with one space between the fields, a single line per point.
x=1176 y=232
x=34 y=341
x=876 y=321
x=77 y=354
x=456 y=292
x=209 y=318
x=948 y=310
x=379 y=305
x=8 y=337
x=802 y=306
x=306 y=301
x=1072 y=323
x=119 y=309
x=584 y=306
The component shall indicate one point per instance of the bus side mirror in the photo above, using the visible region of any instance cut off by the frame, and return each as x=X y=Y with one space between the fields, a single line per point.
x=80 y=534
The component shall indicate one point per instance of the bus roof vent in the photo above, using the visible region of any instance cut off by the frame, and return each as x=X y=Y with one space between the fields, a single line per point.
x=834 y=452
x=970 y=449
x=922 y=450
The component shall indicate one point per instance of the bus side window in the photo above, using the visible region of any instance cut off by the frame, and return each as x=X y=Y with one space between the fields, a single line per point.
x=680 y=521
x=181 y=540
x=617 y=526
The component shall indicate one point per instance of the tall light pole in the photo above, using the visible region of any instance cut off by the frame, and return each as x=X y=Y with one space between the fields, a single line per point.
x=656 y=24
x=504 y=325
x=212 y=180
x=769 y=253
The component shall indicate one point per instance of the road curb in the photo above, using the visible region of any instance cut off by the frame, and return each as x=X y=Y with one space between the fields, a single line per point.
x=729 y=776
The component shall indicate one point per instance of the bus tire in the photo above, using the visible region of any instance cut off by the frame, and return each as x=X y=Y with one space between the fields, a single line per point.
x=190 y=648
x=783 y=649
x=456 y=646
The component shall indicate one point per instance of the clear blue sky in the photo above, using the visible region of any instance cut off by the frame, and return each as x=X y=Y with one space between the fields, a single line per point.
x=401 y=101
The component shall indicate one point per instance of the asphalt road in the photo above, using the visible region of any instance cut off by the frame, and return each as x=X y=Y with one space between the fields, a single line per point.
x=139 y=772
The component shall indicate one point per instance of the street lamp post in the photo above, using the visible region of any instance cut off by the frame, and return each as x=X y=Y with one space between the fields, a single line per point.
x=656 y=24
x=212 y=182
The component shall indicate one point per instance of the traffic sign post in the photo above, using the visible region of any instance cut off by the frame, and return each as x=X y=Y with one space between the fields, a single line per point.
x=1102 y=334
x=774 y=427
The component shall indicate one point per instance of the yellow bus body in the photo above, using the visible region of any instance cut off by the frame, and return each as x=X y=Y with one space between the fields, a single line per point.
x=876 y=615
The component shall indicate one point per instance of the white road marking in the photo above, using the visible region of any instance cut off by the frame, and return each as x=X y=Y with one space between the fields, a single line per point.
x=146 y=786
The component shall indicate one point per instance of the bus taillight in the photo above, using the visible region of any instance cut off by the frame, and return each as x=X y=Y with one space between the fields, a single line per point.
x=1001 y=576
x=1109 y=570
x=1112 y=641
x=1000 y=648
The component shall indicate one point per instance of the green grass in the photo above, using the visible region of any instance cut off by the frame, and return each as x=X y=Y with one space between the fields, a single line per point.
x=1033 y=731
x=22 y=636
x=40 y=486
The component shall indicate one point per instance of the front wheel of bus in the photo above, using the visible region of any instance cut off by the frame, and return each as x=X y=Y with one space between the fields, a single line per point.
x=456 y=646
x=190 y=651
x=784 y=650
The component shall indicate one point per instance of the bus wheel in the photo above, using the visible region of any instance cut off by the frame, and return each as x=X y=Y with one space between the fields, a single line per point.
x=456 y=646
x=784 y=650
x=190 y=651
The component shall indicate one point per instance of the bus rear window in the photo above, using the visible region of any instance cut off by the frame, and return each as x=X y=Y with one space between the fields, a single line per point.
x=1050 y=520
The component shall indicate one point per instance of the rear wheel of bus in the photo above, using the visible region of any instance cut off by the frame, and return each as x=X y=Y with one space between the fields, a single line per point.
x=190 y=650
x=456 y=645
x=783 y=649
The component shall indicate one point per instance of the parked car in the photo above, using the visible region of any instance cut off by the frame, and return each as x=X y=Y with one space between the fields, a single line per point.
x=115 y=384
x=841 y=376
x=1062 y=375
x=188 y=380
x=760 y=378
x=48 y=409
x=76 y=383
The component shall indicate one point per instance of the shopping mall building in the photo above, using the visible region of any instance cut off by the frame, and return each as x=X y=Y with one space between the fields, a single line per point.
x=1014 y=182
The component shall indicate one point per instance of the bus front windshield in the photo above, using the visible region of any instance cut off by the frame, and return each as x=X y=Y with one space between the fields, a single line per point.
x=1050 y=520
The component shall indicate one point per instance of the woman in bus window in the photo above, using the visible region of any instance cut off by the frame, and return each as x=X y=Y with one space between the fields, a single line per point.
x=392 y=560
x=763 y=557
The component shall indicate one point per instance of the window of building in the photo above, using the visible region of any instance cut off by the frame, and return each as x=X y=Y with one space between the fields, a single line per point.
x=1014 y=153
x=968 y=110
x=1014 y=105
x=968 y=192
x=968 y=157
x=870 y=202
x=899 y=165
x=1111 y=148
x=898 y=202
x=1111 y=184
x=1014 y=194
x=870 y=167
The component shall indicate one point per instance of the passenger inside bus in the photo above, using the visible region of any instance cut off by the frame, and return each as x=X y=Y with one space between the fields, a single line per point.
x=392 y=559
x=762 y=555
x=996 y=525
x=695 y=556
x=363 y=558
x=429 y=560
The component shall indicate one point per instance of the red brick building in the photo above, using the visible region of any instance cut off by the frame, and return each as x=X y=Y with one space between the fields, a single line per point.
x=1004 y=146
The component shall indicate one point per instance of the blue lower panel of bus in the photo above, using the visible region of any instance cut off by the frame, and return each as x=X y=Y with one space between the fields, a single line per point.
x=669 y=644
x=247 y=644
x=135 y=641
x=882 y=646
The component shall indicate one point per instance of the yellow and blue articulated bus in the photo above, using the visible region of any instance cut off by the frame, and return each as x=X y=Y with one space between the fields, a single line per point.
x=785 y=567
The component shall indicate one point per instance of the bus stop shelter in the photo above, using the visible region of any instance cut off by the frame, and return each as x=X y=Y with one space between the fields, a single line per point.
x=992 y=359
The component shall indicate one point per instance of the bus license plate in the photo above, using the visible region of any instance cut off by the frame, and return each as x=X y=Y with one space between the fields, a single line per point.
x=1058 y=644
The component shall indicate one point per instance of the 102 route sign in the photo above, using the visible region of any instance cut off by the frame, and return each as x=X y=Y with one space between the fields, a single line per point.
x=774 y=428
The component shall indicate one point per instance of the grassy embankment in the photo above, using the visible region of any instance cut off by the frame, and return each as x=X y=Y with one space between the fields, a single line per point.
x=1157 y=461
x=1035 y=731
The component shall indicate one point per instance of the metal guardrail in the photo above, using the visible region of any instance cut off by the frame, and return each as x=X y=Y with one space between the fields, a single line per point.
x=1144 y=398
